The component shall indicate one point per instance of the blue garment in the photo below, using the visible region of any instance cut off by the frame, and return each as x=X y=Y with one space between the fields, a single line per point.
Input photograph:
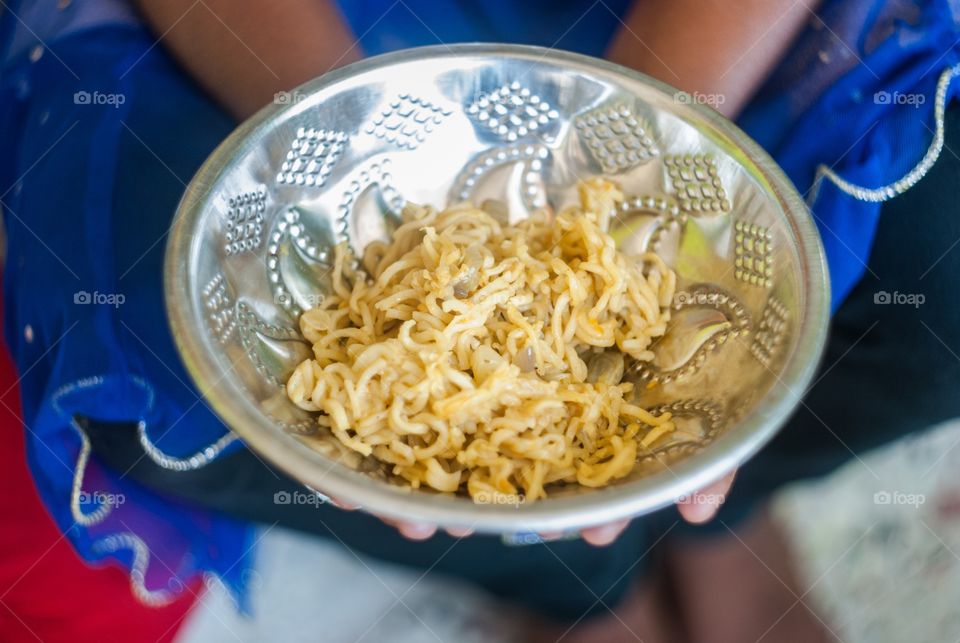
x=41 y=21
x=574 y=25
x=69 y=171
x=871 y=124
x=74 y=237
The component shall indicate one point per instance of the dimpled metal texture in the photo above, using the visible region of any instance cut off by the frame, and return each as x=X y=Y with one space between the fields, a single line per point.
x=250 y=250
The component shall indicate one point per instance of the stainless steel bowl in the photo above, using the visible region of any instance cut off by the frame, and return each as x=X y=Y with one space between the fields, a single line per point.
x=335 y=160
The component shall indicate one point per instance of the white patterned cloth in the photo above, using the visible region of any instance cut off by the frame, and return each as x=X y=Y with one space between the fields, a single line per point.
x=879 y=541
x=309 y=589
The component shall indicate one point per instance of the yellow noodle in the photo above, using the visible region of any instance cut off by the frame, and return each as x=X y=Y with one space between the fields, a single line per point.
x=462 y=356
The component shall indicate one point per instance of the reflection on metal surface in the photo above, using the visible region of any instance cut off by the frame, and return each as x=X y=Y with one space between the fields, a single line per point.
x=530 y=158
x=704 y=318
x=293 y=282
x=272 y=349
x=634 y=218
x=312 y=155
x=245 y=221
x=219 y=307
x=697 y=420
x=407 y=121
x=359 y=228
x=771 y=332
x=697 y=184
x=512 y=111
x=753 y=256
x=617 y=139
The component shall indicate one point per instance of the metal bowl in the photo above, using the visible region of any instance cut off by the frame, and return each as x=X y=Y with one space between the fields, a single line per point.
x=335 y=160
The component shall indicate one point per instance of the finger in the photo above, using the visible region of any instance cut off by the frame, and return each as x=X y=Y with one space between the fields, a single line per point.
x=416 y=530
x=339 y=504
x=604 y=534
x=700 y=507
x=459 y=532
x=411 y=530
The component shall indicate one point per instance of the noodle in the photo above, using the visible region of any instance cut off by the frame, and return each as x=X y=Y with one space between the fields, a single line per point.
x=471 y=353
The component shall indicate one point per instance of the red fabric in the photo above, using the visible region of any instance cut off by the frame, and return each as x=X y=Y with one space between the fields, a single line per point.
x=47 y=592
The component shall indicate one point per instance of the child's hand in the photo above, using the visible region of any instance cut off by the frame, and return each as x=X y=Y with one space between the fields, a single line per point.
x=696 y=508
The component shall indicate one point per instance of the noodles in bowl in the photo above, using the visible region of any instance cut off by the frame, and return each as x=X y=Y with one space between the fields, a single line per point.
x=472 y=354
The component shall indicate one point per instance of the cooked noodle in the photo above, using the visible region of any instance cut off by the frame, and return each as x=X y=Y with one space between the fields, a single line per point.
x=474 y=353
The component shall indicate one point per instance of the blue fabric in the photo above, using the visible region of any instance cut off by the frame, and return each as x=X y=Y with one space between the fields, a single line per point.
x=871 y=125
x=575 y=25
x=79 y=220
x=76 y=234
x=49 y=20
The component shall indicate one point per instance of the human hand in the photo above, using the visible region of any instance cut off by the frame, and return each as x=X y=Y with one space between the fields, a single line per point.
x=695 y=508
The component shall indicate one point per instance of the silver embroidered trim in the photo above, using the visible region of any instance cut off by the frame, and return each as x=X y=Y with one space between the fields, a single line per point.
x=80 y=468
x=898 y=187
x=76 y=488
x=138 y=568
x=126 y=540
x=198 y=460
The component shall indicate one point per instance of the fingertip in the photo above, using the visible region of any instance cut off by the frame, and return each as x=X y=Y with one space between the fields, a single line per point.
x=416 y=531
x=604 y=534
x=339 y=504
x=724 y=484
x=459 y=532
x=697 y=513
x=702 y=506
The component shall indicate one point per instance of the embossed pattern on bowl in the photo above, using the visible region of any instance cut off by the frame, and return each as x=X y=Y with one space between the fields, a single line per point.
x=250 y=249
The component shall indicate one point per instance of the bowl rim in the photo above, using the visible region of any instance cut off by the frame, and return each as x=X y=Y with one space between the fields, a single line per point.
x=599 y=506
